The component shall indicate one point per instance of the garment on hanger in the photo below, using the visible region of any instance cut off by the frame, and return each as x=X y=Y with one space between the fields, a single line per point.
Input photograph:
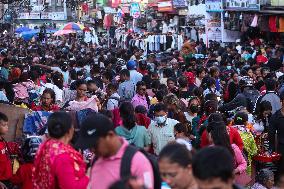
x=272 y=23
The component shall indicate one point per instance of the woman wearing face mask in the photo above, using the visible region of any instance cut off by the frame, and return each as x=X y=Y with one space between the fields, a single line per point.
x=233 y=86
x=175 y=164
x=193 y=109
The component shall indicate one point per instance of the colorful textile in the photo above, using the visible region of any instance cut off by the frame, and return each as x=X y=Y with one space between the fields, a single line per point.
x=5 y=162
x=281 y=24
x=91 y=103
x=23 y=177
x=272 y=24
x=21 y=91
x=249 y=144
x=58 y=165
x=82 y=114
x=139 y=100
x=35 y=122
x=143 y=120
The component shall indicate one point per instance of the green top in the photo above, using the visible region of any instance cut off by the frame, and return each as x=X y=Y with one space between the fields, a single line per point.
x=137 y=136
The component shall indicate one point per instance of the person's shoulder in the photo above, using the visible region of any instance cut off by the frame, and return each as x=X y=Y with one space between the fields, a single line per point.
x=139 y=159
x=172 y=121
x=141 y=128
x=235 y=148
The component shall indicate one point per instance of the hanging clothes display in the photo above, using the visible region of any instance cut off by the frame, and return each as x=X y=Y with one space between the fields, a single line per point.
x=149 y=43
x=281 y=24
x=272 y=24
x=108 y=21
x=254 y=21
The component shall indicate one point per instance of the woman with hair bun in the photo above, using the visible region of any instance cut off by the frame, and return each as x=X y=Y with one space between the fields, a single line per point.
x=57 y=164
x=175 y=164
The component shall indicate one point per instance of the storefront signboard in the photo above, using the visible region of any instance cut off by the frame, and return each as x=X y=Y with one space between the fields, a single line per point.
x=165 y=6
x=213 y=27
x=180 y=3
x=277 y=3
x=214 y=5
x=109 y=10
x=244 y=5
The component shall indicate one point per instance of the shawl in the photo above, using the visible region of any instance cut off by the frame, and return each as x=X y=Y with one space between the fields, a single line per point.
x=91 y=103
x=43 y=175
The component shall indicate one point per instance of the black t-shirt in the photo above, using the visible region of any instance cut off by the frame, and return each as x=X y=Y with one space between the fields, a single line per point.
x=274 y=64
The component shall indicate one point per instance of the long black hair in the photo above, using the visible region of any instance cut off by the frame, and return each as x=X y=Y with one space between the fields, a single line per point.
x=217 y=128
x=176 y=153
x=127 y=115
x=59 y=124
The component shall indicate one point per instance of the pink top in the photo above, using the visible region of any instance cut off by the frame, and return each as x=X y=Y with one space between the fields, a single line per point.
x=139 y=100
x=107 y=170
x=240 y=162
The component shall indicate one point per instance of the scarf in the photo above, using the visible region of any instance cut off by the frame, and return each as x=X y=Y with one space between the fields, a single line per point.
x=43 y=175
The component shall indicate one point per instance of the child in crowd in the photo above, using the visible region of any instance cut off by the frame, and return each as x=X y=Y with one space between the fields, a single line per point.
x=23 y=176
x=5 y=162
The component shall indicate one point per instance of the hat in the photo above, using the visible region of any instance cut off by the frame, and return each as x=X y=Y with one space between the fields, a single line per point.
x=131 y=65
x=190 y=77
x=93 y=127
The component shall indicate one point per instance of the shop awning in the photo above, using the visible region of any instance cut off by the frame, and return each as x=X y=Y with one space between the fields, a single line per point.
x=272 y=12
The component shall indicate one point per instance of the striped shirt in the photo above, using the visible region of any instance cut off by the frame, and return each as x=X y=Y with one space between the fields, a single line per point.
x=161 y=135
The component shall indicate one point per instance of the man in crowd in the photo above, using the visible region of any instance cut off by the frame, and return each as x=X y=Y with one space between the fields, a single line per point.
x=97 y=133
x=162 y=128
x=213 y=167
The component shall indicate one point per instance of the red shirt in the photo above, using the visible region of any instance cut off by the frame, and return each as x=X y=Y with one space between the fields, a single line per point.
x=52 y=108
x=23 y=177
x=234 y=135
x=260 y=59
x=5 y=163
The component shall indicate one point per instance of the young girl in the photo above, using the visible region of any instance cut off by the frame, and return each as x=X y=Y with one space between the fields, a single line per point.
x=23 y=177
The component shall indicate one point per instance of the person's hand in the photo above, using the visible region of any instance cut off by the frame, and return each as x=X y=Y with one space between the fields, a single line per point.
x=88 y=173
x=192 y=137
x=136 y=183
x=236 y=171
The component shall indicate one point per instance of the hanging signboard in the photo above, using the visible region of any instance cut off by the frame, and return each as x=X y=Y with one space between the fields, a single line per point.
x=135 y=10
x=244 y=5
x=180 y=3
x=277 y=3
x=165 y=6
x=213 y=27
x=109 y=10
x=214 y=5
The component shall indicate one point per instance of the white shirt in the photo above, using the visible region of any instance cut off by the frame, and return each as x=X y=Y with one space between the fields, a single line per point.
x=162 y=135
x=135 y=76
x=113 y=101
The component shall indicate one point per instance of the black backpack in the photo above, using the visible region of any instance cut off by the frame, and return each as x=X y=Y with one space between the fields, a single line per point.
x=125 y=170
x=125 y=166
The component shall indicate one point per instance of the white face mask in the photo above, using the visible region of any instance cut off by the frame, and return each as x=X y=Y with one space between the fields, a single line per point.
x=160 y=119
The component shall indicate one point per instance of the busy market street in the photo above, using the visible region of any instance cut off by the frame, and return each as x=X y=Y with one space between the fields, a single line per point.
x=141 y=94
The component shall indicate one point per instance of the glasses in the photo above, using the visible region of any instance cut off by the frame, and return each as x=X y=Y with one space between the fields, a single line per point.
x=142 y=89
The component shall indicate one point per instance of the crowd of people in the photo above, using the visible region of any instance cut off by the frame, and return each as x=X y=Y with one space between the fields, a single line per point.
x=146 y=121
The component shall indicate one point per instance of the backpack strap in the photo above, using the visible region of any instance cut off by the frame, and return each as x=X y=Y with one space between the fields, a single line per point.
x=125 y=166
